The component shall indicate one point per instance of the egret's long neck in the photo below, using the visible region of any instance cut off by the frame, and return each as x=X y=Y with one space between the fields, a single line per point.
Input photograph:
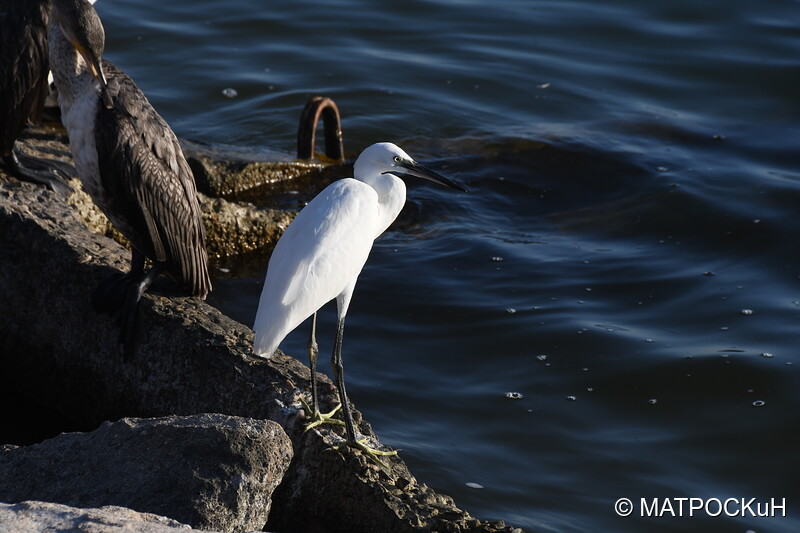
x=391 y=197
x=70 y=72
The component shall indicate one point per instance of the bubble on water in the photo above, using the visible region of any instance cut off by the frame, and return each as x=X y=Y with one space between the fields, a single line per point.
x=648 y=340
x=590 y=389
x=747 y=311
x=652 y=401
x=788 y=363
x=588 y=289
x=541 y=357
x=230 y=93
x=497 y=259
x=543 y=85
x=759 y=403
x=724 y=328
x=751 y=390
x=514 y=395
x=709 y=273
x=767 y=355
x=584 y=369
x=474 y=485
x=511 y=310
x=662 y=169
x=756 y=220
x=571 y=398
x=223 y=269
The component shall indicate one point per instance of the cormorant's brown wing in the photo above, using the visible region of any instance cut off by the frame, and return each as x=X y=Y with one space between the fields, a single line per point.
x=23 y=66
x=150 y=185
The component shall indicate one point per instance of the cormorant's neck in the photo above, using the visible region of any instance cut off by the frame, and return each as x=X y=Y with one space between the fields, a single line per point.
x=72 y=75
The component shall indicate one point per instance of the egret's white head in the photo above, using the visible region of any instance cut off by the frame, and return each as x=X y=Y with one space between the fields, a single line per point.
x=388 y=158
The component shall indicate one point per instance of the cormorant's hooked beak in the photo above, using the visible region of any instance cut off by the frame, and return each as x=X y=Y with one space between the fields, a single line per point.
x=412 y=168
x=97 y=71
x=93 y=62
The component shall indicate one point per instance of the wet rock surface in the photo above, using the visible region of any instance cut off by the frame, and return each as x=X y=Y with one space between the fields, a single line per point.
x=210 y=471
x=57 y=353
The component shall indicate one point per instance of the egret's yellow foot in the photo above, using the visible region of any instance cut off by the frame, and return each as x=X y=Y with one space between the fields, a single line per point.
x=318 y=418
x=371 y=453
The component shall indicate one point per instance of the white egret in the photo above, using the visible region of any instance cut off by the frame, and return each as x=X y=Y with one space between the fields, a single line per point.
x=321 y=254
x=129 y=161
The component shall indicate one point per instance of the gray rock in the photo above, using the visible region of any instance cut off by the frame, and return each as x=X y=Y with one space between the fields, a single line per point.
x=43 y=517
x=210 y=471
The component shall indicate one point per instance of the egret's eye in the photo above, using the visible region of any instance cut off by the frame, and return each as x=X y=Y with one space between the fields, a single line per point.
x=397 y=159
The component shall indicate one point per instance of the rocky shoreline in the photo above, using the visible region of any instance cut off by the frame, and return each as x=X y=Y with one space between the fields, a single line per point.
x=206 y=436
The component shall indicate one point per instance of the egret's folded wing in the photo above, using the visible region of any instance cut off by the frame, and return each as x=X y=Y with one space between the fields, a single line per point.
x=326 y=246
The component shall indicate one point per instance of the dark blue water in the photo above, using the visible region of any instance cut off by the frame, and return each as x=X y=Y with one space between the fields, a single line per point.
x=626 y=259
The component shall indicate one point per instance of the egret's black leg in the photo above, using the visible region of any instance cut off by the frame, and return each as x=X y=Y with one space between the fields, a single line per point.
x=338 y=372
x=312 y=412
x=50 y=177
x=130 y=312
x=313 y=353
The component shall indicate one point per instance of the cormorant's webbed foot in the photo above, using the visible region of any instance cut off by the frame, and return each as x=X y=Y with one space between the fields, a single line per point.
x=120 y=295
x=316 y=418
x=109 y=296
x=38 y=171
x=130 y=310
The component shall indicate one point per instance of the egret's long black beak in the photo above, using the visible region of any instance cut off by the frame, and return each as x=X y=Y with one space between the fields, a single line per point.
x=412 y=168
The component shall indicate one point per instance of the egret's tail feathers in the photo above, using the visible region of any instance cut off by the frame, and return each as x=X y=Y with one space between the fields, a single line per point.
x=266 y=340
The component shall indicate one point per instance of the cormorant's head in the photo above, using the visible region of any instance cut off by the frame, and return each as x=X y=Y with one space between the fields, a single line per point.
x=82 y=27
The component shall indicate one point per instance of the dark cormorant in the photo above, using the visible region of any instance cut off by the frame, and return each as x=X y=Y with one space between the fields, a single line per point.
x=23 y=85
x=130 y=163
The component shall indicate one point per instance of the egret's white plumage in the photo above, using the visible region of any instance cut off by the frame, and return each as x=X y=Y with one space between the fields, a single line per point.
x=323 y=250
x=320 y=255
